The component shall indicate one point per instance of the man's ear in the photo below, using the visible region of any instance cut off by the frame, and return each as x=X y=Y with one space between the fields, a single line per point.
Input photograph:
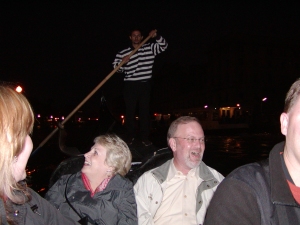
x=284 y=121
x=142 y=38
x=130 y=37
x=172 y=144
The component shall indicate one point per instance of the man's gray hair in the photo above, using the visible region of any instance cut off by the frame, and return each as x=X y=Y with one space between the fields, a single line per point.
x=181 y=120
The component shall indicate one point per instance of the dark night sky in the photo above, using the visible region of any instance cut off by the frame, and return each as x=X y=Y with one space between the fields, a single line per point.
x=60 y=51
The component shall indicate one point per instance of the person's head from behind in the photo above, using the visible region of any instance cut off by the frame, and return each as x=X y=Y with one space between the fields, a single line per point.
x=136 y=36
x=186 y=139
x=110 y=155
x=16 y=123
x=290 y=119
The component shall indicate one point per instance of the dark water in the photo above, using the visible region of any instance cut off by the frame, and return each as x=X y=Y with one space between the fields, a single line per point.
x=224 y=151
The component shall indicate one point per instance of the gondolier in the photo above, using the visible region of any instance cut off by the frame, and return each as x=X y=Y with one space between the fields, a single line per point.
x=137 y=86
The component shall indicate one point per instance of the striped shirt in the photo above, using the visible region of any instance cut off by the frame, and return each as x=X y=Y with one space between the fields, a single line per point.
x=139 y=67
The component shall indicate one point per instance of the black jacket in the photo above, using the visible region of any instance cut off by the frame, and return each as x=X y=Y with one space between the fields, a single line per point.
x=114 y=205
x=257 y=193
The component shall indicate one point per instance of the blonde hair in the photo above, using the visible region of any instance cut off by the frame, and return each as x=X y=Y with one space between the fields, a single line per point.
x=16 y=122
x=118 y=154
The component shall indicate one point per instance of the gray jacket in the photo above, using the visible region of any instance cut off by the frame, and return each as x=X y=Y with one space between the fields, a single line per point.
x=114 y=205
x=36 y=212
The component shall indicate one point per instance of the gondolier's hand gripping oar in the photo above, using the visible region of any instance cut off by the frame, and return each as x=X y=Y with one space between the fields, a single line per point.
x=152 y=34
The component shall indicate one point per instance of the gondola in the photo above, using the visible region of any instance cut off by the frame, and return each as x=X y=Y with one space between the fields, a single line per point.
x=143 y=158
x=74 y=158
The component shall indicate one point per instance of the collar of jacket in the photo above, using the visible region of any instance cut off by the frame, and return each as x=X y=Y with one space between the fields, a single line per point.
x=280 y=191
x=117 y=182
x=161 y=172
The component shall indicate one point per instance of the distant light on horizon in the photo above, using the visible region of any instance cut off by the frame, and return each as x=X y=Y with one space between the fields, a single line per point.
x=19 y=89
x=206 y=106
x=38 y=115
x=264 y=99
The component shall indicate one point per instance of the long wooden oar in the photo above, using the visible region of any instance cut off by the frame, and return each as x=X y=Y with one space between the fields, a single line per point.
x=90 y=95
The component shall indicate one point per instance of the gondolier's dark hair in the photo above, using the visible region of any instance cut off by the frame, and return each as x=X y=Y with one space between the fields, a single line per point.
x=136 y=29
x=181 y=120
x=292 y=96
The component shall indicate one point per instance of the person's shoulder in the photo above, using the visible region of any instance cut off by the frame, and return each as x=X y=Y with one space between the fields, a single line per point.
x=155 y=173
x=121 y=182
x=164 y=167
x=250 y=175
x=147 y=176
x=247 y=170
x=147 y=173
x=145 y=181
x=36 y=198
x=147 y=44
x=246 y=180
x=33 y=193
x=68 y=178
x=125 y=51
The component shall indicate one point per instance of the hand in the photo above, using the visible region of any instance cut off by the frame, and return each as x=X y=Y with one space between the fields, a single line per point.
x=153 y=33
x=60 y=126
x=126 y=58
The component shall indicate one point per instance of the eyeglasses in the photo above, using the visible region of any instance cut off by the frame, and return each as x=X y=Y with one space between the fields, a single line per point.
x=193 y=140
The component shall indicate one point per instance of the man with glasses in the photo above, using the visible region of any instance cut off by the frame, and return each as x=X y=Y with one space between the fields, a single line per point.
x=179 y=191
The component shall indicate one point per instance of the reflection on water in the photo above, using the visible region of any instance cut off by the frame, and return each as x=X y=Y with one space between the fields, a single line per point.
x=226 y=153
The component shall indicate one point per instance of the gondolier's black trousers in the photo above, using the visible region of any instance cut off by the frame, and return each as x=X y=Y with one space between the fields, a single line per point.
x=137 y=92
